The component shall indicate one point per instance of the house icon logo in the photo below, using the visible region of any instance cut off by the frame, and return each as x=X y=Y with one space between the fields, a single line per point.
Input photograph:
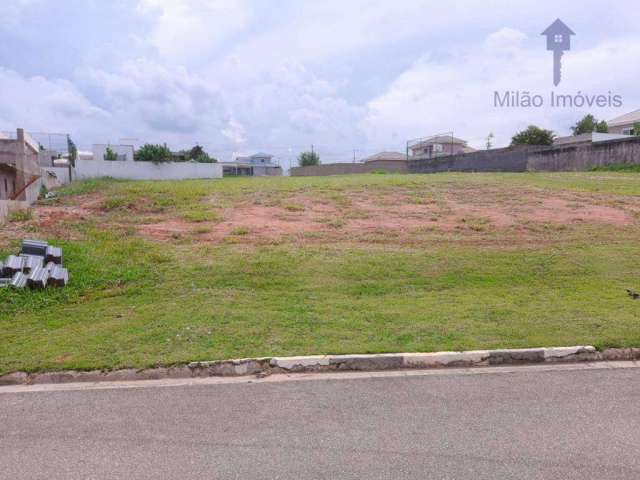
x=558 y=41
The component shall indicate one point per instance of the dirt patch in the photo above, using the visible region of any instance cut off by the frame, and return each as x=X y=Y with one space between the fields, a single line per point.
x=562 y=211
x=477 y=213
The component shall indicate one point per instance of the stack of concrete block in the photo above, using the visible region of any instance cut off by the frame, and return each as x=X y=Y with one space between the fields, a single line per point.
x=38 y=266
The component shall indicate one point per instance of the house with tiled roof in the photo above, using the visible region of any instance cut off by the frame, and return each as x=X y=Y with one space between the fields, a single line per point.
x=625 y=124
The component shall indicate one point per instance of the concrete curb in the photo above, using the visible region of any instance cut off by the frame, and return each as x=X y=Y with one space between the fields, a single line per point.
x=325 y=363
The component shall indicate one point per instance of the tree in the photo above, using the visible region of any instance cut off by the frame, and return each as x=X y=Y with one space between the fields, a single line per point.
x=306 y=159
x=489 y=141
x=533 y=136
x=589 y=124
x=110 y=155
x=153 y=153
x=636 y=129
x=197 y=154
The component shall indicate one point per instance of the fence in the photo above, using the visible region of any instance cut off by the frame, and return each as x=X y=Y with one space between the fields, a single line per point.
x=349 y=168
x=131 y=170
x=586 y=156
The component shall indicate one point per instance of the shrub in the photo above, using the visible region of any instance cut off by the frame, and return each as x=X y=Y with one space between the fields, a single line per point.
x=589 y=124
x=110 y=155
x=306 y=159
x=20 y=215
x=197 y=154
x=153 y=153
x=533 y=136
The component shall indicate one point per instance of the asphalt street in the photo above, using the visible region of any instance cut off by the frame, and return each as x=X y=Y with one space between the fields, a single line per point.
x=520 y=424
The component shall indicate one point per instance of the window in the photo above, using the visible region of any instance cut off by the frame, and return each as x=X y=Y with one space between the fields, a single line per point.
x=627 y=131
x=558 y=38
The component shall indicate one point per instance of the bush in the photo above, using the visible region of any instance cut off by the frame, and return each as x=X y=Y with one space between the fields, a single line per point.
x=306 y=159
x=617 y=167
x=153 y=153
x=197 y=154
x=21 y=215
x=533 y=136
x=110 y=155
x=589 y=124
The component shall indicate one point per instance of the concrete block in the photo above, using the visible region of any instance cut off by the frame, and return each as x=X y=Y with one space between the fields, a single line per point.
x=302 y=362
x=443 y=359
x=514 y=356
x=387 y=361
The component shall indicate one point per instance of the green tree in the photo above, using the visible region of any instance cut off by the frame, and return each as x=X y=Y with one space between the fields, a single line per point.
x=589 y=124
x=636 y=129
x=153 y=153
x=489 y=141
x=197 y=154
x=533 y=136
x=306 y=159
x=602 y=127
x=110 y=155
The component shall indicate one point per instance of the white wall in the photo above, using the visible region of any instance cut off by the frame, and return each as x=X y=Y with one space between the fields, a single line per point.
x=61 y=173
x=8 y=206
x=146 y=170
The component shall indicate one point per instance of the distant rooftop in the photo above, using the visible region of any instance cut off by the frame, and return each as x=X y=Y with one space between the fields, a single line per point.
x=626 y=119
x=390 y=156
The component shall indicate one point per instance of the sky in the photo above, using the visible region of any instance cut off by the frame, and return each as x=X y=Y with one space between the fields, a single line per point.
x=350 y=77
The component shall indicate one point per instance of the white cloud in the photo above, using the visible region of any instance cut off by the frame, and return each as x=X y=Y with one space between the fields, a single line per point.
x=234 y=132
x=433 y=97
x=185 y=30
x=39 y=104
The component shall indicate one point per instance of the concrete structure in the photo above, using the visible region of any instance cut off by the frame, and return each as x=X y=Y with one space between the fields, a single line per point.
x=440 y=145
x=510 y=159
x=388 y=161
x=19 y=168
x=584 y=156
x=624 y=124
x=587 y=138
x=146 y=170
x=126 y=168
x=256 y=165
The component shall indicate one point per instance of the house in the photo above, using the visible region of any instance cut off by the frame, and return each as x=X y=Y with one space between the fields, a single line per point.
x=440 y=145
x=20 y=172
x=256 y=165
x=625 y=124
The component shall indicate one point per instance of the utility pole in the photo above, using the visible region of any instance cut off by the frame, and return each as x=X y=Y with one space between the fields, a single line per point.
x=354 y=155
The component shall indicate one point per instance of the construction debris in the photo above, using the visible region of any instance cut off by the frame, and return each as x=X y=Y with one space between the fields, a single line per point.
x=19 y=280
x=38 y=266
x=34 y=247
x=54 y=254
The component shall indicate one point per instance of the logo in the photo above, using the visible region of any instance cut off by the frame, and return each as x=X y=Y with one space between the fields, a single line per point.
x=558 y=41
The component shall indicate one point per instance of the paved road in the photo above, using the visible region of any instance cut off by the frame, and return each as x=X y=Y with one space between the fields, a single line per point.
x=528 y=424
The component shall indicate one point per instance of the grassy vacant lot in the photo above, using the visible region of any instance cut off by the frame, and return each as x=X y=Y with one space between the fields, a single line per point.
x=167 y=272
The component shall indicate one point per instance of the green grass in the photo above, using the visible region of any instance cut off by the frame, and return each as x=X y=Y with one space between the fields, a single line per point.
x=135 y=303
x=623 y=167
